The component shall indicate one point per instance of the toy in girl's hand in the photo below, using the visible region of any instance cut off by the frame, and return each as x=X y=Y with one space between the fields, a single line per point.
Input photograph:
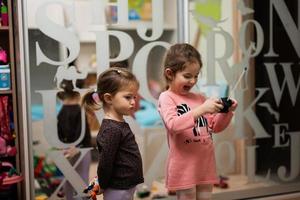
x=227 y=103
x=93 y=189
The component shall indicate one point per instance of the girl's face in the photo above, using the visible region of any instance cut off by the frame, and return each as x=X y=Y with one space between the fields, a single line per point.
x=123 y=102
x=183 y=81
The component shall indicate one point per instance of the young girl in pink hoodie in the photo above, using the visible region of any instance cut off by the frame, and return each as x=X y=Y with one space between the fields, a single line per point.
x=190 y=120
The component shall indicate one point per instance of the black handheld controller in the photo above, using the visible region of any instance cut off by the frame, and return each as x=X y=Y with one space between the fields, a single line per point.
x=227 y=102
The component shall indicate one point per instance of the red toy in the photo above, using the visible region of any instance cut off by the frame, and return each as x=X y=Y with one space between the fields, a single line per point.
x=93 y=189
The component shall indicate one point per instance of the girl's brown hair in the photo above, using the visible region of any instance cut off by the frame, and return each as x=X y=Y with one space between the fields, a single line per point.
x=68 y=91
x=110 y=81
x=178 y=56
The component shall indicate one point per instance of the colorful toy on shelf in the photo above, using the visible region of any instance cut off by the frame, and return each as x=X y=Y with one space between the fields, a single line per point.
x=146 y=11
x=137 y=10
x=4 y=14
x=113 y=14
x=4 y=79
x=5 y=131
x=5 y=149
x=140 y=10
x=0 y=13
x=8 y=175
x=134 y=9
x=133 y=15
x=3 y=57
x=44 y=168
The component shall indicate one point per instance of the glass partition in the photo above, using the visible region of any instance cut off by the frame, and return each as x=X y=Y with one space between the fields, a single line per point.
x=70 y=43
x=251 y=53
x=250 y=50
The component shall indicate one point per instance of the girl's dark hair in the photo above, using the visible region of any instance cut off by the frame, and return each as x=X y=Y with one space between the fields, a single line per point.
x=68 y=91
x=110 y=81
x=121 y=64
x=178 y=56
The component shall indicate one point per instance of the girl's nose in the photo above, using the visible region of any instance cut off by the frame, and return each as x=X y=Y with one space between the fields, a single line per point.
x=133 y=102
x=193 y=80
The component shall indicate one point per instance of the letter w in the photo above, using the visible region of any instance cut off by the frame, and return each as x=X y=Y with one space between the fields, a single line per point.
x=288 y=79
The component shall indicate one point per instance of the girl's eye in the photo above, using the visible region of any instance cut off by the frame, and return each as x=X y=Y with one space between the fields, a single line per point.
x=129 y=97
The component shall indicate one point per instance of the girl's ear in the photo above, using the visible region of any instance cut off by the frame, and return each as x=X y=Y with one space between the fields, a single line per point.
x=169 y=73
x=107 y=98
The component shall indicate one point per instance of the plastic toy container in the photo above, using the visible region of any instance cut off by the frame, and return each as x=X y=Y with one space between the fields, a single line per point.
x=4 y=79
x=4 y=66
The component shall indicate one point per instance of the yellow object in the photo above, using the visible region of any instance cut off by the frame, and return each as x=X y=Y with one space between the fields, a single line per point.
x=146 y=12
x=41 y=197
x=210 y=9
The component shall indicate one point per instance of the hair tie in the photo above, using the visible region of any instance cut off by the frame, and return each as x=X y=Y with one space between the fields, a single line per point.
x=95 y=97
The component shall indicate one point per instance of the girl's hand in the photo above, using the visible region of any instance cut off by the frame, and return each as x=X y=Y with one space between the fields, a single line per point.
x=234 y=105
x=93 y=189
x=212 y=105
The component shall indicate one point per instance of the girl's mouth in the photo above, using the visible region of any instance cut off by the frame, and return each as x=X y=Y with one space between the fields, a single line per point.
x=186 y=88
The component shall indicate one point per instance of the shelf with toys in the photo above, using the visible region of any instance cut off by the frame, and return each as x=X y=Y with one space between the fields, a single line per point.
x=9 y=157
x=139 y=12
x=90 y=37
x=4 y=47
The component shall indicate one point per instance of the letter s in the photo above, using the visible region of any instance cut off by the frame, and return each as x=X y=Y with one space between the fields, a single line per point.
x=56 y=32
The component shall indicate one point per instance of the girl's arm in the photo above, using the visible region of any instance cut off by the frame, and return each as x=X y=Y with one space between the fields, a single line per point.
x=168 y=111
x=218 y=122
x=108 y=144
x=177 y=123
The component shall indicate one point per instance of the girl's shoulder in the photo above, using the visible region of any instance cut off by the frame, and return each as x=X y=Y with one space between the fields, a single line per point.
x=109 y=128
x=170 y=95
x=200 y=95
x=167 y=96
x=109 y=123
x=164 y=94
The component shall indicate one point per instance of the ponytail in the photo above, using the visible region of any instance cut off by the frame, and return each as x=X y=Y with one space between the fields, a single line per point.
x=89 y=102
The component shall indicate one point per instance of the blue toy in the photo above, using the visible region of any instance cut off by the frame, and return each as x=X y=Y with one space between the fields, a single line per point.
x=148 y=115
